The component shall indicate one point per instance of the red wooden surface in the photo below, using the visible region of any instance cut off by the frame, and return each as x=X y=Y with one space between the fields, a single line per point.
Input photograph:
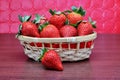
x=105 y=12
x=104 y=62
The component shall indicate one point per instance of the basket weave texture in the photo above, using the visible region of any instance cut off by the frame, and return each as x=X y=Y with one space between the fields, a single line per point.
x=69 y=48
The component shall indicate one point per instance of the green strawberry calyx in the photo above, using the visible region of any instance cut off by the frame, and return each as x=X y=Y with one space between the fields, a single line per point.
x=67 y=22
x=53 y=12
x=24 y=19
x=43 y=51
x=92 y=22
x=19 y=31
x=79 y=10
x=75 y=25
x=37 y=18
x=40 y=28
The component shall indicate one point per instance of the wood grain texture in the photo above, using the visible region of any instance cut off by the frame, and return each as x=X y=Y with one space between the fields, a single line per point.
x=104 y=62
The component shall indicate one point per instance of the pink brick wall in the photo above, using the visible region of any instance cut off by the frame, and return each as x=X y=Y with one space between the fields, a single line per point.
x=105 y=12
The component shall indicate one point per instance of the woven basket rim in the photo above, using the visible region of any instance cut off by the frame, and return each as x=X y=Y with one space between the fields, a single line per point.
x=61 y=39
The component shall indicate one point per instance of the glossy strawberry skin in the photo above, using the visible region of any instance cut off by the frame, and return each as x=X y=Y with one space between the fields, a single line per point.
x=68 y=31
x=50 y=31
x=51 y=60
x=29 y=29
x=74 y=17
x=84 y=28
x=58 y=20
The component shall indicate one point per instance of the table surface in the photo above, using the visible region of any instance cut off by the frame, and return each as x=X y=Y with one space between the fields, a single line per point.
x=103 y=64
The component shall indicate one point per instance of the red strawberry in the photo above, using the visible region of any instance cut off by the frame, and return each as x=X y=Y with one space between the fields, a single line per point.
x=64 y=45
x=47 y=44
x=85 y=28
x=28 y=28
x=58 y=19
x=49 y=31
x=51 y=60
x=73 y=45
x=37 y=44
x=89 y=44
x=55 y=45
x=68 y=31
x=82 y=45
x=76 y=15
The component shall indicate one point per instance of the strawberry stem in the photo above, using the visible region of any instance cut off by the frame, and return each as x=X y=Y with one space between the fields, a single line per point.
x=51 y=12
x=92 y=22
x=67 y=11
x=75 y=25
x=40 y=28
x=44 y=50
x=19 y=31
x=67 y=22
x=74 y=8
x=80 y=10
x=37 y=19
x=24 y=19
x=20 y=18
x=27 y=18
x=54 y=12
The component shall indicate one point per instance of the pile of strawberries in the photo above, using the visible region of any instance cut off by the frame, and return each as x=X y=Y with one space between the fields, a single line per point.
x=69 y=23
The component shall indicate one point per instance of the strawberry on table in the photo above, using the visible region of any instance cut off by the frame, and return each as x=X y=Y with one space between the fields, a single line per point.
x=58 y=18
x=76 y=15
x=49 y=31
x=51 y=60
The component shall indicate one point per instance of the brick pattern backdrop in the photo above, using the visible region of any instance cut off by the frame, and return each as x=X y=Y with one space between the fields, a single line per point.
x=105 y=12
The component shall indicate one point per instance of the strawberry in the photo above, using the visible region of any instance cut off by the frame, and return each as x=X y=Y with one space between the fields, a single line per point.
x=49 y=31
x=55 y=45
x=68 y=31
x=58 y=19
x=76 y=15
x=37 y=44
x=89 y=44
x=64 y=45
x=51 y=60
x=82 y=45
x=28 y=28
x=85 y=28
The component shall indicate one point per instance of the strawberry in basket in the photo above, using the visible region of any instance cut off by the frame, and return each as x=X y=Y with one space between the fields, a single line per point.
x=51 y=60
x=28 y=28
x=68 y=30
x=75 y=15
x=85 y=28
x=58 y=18
x=49 y=31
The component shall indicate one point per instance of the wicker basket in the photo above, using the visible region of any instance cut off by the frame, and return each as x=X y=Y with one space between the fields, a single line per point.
x=69 y=48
